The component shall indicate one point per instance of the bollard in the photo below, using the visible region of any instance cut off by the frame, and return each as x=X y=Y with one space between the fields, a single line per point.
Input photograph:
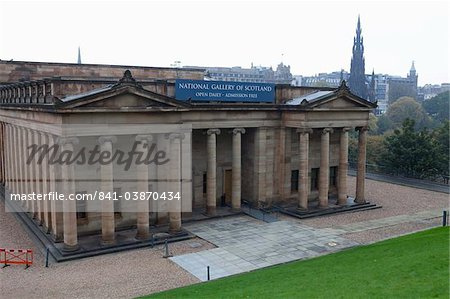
x=207 y=273
x=46 y=257
x=444 y=218
x=166 y=250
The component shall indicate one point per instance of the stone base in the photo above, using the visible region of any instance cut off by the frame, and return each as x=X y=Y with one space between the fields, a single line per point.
x=211 y=211
x=70 y=248
x=174 y=231
x=143 y=236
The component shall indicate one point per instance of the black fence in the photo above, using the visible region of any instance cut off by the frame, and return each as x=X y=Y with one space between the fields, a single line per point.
x=381 y=169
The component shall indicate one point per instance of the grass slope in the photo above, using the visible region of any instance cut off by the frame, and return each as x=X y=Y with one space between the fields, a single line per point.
x=415 y=265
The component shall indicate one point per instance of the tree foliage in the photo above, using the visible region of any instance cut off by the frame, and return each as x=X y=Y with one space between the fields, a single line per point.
x=411 y=153
x=374 y=150
x=438 y=106
x=404 y=108
x=373 y=127
x=383 y=124
x=442 y=138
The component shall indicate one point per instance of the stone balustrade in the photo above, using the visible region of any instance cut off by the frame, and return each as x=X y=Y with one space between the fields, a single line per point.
x=27 y=93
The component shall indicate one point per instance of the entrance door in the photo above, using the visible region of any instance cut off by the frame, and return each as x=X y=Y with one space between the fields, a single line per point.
x=227 y=186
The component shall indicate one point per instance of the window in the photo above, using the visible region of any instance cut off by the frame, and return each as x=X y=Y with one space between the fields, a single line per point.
x=314 y=179
x=333 y=176
x=204 y=182
x=294 y=180
x=81 y=206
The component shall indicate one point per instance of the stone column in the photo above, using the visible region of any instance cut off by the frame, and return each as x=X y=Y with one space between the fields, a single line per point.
x=8 y=146
x=38 y=179
x=31 y=173
x=18 y=160
x=211 y=183
x=361 y=174
x=55 y=186
x=303 y=171
x=45 y=185
x=175 y=178
x=107 y=179
x=2 y=150
x=260 y=165
x=343 y=167
x=11 y=159
x=26 y=170
x=162 y=174
x=69 y=206
x=143 y=225
x=236 y=169
x=324 y=175
x=15 y=160
x=21 y=160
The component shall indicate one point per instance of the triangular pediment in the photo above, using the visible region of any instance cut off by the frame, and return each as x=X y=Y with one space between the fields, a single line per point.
x=126 y=94
x=339 y=99
x=339 y=102
x=126 y=100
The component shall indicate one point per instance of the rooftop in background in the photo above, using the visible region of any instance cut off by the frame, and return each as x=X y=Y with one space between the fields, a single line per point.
x=257 y=74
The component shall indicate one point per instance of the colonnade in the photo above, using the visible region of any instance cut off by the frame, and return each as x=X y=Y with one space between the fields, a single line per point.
x=20 y=176
x=211 y=179
x=324 y=174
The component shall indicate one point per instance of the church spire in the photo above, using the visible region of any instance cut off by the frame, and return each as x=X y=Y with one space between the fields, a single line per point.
x=357 y=79
x=413 y=68
x=79 y=56
x=358 y=31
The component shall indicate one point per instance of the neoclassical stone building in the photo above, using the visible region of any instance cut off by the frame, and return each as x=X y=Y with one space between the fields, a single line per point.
x=293 y=151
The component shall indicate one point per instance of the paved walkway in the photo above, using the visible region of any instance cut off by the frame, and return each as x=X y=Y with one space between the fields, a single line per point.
x=246 y=244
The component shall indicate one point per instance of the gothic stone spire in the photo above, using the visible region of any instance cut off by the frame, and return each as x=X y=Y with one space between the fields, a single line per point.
x=357 y=79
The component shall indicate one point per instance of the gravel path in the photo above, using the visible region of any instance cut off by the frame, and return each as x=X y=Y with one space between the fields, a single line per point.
x=394 y=199
x=375 y=235
x=118 y=275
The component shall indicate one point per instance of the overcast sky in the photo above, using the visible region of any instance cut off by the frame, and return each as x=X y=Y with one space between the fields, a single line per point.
x=311 y=37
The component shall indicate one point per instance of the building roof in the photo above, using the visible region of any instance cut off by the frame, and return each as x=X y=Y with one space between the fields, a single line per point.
x=85 y=94
x=311 y=97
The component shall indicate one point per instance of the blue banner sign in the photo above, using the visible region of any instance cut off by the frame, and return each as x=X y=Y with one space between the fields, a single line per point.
x=224 y=91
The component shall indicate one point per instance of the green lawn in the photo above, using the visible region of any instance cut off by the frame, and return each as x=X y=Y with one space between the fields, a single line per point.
x=415 y=265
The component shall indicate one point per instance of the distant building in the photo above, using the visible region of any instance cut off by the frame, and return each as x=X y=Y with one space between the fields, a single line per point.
x=282 y=75
x=403 y=87
x=381 y=88
x=321 y=80
x=429 y=91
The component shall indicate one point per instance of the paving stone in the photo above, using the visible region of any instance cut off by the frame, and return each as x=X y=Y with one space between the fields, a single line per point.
x=245 y=244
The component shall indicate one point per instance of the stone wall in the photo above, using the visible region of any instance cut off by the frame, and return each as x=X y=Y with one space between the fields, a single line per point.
x=15 y=71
